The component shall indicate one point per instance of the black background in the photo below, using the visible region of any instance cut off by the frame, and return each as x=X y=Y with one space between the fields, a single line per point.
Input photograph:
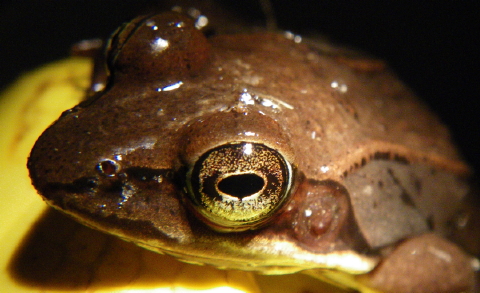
x=430 y=44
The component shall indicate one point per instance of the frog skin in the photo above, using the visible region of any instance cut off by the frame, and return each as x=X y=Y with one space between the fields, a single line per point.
x=257 y=152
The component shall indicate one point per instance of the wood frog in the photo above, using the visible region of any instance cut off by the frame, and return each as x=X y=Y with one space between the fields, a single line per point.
x=260 y=152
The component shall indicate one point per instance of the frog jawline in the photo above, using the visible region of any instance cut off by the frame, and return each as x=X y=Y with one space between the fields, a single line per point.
x=346 y=260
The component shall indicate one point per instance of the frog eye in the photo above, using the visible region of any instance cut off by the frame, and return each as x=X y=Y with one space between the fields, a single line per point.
x=236 y=187
x=166 y=45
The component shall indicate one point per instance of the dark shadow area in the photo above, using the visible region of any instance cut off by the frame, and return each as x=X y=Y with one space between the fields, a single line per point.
x=61 y=254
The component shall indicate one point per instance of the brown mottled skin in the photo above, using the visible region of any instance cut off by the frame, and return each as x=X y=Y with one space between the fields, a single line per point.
x=334 y=117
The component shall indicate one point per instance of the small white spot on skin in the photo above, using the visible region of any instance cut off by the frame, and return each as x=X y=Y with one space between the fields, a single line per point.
x=324 y=169
x=289 y=35
x=368 y=190
x=314 y=134
x=272 y=102
x=127 y=193
x=339 y=86
x=158 y=179
x=118 y=157
x=249 y=133
x=201 y=22
x=98 y=87
x=440 y=254
x=223 y=108
x=159 y=44
x=144 y=143
x=268 y=103
x=171 y=87
x=308 y=213
x=152 y=24
x=246 y=98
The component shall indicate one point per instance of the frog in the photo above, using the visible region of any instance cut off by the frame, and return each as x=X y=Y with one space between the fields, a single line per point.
x=261 y=151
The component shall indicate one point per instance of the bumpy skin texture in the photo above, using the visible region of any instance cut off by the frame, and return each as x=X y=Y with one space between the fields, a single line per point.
x=119 y=160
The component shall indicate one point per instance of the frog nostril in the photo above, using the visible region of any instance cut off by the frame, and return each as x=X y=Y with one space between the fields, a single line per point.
x=108 y=168
x=241 y=185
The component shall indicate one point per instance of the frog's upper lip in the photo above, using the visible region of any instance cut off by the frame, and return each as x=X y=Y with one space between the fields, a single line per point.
x=281 y=258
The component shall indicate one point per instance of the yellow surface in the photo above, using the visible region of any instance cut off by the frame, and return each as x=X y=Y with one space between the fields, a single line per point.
x=44 y=251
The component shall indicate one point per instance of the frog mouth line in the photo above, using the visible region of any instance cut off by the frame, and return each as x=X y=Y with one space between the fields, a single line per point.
x=291 y=261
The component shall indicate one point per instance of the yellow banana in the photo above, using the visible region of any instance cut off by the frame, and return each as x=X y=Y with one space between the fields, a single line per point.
x=44 y=251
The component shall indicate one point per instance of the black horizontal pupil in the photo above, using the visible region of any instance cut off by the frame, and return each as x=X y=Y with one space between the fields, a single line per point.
x=241 y=185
